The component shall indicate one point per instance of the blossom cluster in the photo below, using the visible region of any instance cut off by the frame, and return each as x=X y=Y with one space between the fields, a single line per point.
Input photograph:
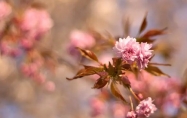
x=132 y=51
x=145 y=108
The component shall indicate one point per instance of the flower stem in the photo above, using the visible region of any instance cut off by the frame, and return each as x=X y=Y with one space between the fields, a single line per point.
x=131 y=103
x=130 y=89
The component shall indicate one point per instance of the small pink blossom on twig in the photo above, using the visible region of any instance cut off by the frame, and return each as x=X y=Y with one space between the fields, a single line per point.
x=146 y=107
x=131 y=114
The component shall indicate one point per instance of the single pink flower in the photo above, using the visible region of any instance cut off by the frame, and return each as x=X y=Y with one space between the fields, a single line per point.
x=131 y=114
x=144 y=55
x=5 y=9
x=127 y=48
x=146 y=107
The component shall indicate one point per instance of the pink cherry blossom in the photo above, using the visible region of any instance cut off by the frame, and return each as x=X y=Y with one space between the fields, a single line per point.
x=131 y=114
x=5 y=9
x=127 y=48
x=81 y=39
x=144 y=55
x=146 y=107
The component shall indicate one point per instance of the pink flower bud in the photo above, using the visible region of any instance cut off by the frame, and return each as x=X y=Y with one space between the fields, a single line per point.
x=50 y=86
x=39 y=78
x=27 y=43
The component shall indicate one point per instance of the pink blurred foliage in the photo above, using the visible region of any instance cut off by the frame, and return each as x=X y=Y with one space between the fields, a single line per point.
x=27 y=43
x=119 y=110
x=20 y=36
x=50 y=86
x=8 y=48
x=33 y=70
x=5 y=10
x=97 y=106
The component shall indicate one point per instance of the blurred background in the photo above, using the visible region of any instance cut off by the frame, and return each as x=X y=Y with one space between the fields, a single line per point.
x=20 y=97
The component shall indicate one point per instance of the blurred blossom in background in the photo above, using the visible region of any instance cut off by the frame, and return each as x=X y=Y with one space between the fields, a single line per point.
x=39 y=51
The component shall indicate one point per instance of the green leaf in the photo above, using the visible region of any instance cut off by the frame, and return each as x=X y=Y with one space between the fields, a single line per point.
x=155 y=71
x=88 y=54
x=144 y=24
x=115 y=91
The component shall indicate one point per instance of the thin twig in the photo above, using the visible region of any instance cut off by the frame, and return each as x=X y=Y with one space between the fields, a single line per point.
x=134 y=94
x=160 y=64
x=132 y=108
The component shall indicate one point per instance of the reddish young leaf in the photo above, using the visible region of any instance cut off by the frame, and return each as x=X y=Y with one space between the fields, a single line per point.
x=145 y=39
x=101 y=82
x=155 y=71
x=88 y=70
x=143 y=25
x=154 y=32
x=116 y=62
x=125 y=81
x=126 y=25
x=115 y=91
x=88 y=54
